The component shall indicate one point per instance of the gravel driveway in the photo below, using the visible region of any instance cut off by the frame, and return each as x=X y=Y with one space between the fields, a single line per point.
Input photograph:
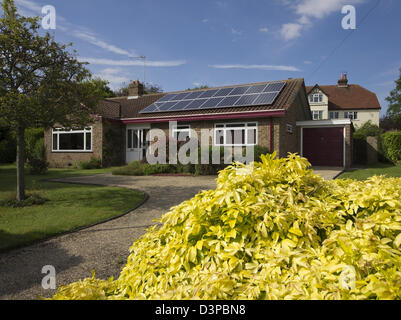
x=103 y=248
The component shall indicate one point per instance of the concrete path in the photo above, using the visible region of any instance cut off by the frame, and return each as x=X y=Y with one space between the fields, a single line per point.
x=103 y=248
x=328 y=173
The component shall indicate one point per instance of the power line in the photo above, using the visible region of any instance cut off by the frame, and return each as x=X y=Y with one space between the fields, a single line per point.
x=345 y=39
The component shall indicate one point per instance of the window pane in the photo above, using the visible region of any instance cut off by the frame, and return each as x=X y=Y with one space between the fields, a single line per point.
x=129 y=139
x=88 y=141
x=72 y=141
x=219 y=137
x=355 y=115
x=136 y=139
x=251 y=137
x=55 y=146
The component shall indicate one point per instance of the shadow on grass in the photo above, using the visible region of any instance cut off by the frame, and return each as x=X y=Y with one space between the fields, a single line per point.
x=22 y=269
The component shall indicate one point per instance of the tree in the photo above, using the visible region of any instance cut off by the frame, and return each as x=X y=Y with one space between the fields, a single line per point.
x=394 y=109
x=41 y=82
x=103 y=87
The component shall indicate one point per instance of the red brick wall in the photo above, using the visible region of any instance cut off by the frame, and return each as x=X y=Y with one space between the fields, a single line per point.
x=68 y=159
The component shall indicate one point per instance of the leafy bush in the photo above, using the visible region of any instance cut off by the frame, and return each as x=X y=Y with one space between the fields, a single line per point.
x=37 y=166
x=368 y=129
x=274 y=230
x=34 y=143
x=93 y=163
x=390 y=143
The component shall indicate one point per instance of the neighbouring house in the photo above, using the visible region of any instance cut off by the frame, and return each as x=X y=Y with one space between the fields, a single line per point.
x=273 y=114
x=344 y=101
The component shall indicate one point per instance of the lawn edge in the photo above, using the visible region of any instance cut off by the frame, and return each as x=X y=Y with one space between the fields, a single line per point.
x=58 y=235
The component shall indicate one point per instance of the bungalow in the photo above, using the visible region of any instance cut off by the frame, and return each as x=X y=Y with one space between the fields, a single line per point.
x=274 y=114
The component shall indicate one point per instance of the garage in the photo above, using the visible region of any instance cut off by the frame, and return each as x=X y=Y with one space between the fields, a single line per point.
x=324 y=146
x=327 y=143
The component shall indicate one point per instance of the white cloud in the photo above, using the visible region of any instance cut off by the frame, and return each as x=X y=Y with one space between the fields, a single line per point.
x=92 y=39
x=132 y=63
x=308 y=62
x=205 y=20
x=115 y=76
x=255 y=66
x=310 y=9
x=291 y=31
x=264 y=30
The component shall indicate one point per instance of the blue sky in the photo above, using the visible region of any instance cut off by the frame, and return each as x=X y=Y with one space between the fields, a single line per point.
x=190 y=43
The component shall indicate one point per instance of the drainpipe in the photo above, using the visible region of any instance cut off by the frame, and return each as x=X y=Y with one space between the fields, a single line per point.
x=271 y=135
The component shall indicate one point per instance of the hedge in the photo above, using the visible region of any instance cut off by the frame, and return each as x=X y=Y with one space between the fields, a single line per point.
x=390 y=143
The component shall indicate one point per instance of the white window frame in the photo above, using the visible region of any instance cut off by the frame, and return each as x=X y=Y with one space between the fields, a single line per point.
x=347 y=115
x=316 y=96
x=59 y=131
x=179 y=128
x=318 y=112
x=229 y=126
x=333 y=115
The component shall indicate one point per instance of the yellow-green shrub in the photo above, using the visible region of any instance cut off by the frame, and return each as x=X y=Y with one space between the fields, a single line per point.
x=271 y=230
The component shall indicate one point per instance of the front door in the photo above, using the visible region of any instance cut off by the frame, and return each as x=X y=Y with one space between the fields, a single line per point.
x=136 y=144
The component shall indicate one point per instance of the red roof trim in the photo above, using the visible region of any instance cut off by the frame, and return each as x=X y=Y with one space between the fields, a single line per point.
x=239 y=115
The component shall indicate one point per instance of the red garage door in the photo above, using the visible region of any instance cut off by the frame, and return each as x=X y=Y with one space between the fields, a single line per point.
x=324 y=146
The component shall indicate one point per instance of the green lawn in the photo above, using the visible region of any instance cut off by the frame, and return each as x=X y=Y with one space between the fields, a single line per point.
x=70 y=206
x=378 y=169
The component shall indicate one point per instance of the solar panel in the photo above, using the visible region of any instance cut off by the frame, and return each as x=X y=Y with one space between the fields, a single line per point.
x=275 y=87
x=247 y=95
x=167 y=98
x=167 y=105
x=208 y=93
x=223 y=92
x=180 y=105
x=211 y=103
x=194 y=95
x=238 y=91
x=266 y=98
x=246 y=100
x=256 y=89
x=196 y=104
x=229 y=101
x=151 y=108
x=181 y=96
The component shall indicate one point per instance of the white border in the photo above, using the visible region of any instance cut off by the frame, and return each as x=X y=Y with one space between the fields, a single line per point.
x=226 y=127
x=59 y=131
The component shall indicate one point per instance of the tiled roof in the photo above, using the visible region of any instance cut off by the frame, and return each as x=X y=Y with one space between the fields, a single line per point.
x=346 y=98
x=130 y=108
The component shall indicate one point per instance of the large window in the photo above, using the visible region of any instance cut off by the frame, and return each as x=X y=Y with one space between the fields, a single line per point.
x=316 y=98
x=72 y=140
x=182 y=131
x=334 y=115
x=317 y=115
x=353 y=115
x=236 y=134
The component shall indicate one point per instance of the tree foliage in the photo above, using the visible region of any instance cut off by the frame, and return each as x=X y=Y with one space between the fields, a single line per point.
x=394 y=109
x=41 y=82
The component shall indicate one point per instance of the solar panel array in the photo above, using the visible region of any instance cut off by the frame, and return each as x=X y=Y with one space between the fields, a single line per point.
x=250 y=95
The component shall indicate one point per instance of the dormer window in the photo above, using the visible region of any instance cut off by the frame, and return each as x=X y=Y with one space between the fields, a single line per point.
x=316 y=98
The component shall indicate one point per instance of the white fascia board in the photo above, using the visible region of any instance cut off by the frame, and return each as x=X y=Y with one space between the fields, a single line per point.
x=323 y=123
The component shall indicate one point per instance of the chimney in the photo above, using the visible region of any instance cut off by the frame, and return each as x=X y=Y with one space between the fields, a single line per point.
x=135 y=90
x=343 y=82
